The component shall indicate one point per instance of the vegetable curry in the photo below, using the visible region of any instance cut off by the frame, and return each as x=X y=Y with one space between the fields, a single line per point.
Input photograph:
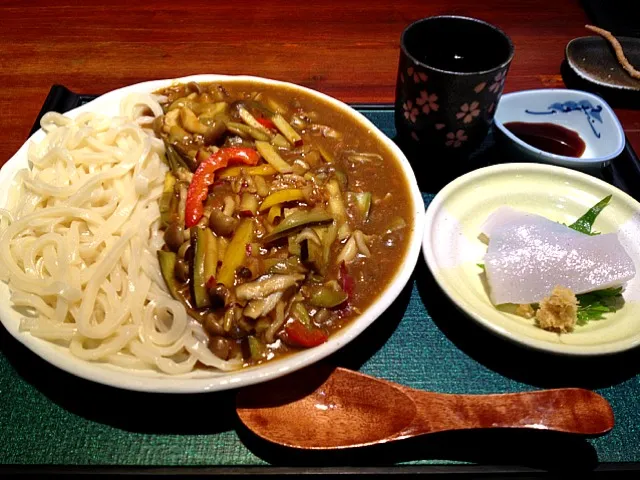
x=283 y=218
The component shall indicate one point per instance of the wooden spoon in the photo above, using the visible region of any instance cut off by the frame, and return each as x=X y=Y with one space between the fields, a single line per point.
x=322 y=408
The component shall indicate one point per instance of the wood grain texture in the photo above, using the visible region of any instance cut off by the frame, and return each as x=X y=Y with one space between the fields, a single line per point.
x=348 y=49
x=321 y=407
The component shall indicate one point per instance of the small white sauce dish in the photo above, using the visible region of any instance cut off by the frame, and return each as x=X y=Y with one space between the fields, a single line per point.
x=587 y=114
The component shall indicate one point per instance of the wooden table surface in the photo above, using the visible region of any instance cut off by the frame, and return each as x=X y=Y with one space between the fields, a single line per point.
x=348 y=49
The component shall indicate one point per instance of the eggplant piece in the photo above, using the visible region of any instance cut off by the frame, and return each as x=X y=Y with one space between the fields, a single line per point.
x=297 y=221
x=327 y=297
x=168 y=202
x=214 y=132
x=167 y=261
x=211 y=257
x=198 y=282
x=312 y=256
x=257 y=349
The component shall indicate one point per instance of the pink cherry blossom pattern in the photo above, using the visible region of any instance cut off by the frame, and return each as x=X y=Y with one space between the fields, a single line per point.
x=478 y=88
x=417 y=76
x=498 y=82
x=414 y=135
x=428 y=102
x=468 y=112
x=401 y=77
x=456 y=139
x=439 y=126
x=490 y=109
x=410 y=112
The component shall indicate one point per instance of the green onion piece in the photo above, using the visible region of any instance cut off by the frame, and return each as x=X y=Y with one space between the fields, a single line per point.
x=280 y=142
x=272 y=157
x=363 y=202
x=257 y=349
x=251 y=121
x=245 y=131
x=301 y=314
x=287 y=130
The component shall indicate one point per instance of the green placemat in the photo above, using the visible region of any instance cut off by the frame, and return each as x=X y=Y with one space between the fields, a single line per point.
x=50 y=417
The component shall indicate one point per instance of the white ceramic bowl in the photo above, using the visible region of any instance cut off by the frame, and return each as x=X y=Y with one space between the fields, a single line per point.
x=208 y=380
x=452 y=248
x=587 y=114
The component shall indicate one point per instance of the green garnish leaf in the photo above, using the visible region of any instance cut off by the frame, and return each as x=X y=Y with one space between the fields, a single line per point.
x=593 y=305
x=585 y=222
x=481 y=265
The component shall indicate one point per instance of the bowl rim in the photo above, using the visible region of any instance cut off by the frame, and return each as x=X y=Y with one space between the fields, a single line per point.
x=562 y=159
x=206 y=380
x=430 y=258
x=505 y=63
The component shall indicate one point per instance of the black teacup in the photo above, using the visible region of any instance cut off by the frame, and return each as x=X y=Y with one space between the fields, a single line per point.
x=450 y=77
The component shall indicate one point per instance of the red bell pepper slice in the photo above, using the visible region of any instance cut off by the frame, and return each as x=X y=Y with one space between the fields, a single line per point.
x=266 y=122
x=205 y=174
x=303 y=336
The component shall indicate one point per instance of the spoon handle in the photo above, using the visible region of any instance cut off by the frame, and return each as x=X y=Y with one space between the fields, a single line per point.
x=569 y=410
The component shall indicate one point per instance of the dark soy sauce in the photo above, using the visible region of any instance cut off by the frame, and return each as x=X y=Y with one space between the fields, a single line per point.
x=549 y=137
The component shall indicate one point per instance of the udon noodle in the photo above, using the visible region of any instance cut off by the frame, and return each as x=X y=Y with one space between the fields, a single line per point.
x=78 y=244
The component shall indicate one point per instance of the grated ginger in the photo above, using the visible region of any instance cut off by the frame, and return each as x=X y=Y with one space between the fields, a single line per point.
x=559 y=311
x=525 y=310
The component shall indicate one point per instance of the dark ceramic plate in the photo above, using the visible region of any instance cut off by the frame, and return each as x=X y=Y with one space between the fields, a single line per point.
x=593 y=60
